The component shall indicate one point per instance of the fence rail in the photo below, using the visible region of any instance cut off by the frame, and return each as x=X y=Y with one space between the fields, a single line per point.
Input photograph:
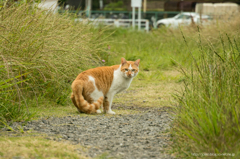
x=124 y=14
x=115 y=22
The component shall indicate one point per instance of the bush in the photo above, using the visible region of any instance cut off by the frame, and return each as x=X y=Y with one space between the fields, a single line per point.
x=208 y=119
x=41 y=53
x=115 y=6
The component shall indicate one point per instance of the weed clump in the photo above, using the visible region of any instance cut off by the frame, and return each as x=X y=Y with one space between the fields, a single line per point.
x=40 y=55
x=208 y=117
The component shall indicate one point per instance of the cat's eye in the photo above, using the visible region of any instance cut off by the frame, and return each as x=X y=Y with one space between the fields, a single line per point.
x=126 y=69
x=133 y=70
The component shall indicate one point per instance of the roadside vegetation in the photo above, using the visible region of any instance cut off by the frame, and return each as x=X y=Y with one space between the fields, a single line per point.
x=207 y=116
x=41 y=53
x=37 y=146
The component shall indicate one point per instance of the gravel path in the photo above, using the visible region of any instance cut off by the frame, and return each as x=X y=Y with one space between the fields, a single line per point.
x=139 y=136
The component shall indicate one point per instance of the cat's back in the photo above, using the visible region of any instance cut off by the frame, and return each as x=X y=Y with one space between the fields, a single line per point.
x=101 y=77
x=99 y=72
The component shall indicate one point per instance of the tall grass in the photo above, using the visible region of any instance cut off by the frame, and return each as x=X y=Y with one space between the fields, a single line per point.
x=208 y=117
x=40 y=55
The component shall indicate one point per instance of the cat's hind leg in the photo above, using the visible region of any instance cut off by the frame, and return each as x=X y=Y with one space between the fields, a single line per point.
x=95 y=96
x=98 y=110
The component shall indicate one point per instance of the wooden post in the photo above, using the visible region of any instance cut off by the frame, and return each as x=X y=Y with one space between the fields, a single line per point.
x=144 y=5
x=139 y=18
x=133 y=17
x=101 y=4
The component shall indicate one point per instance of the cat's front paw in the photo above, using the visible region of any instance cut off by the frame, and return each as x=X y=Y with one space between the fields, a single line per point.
x=110 y=112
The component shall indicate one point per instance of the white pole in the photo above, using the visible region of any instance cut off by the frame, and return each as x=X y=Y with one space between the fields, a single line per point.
x=88 y=4
x=116 y=23
x=133 y=17
x=139 y=18
x=86 y=7
x=90 y=8
x=101 y=4
x=147 y=25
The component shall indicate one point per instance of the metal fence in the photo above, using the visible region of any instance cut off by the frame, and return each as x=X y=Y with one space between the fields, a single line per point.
x=115 y=22
x=151 y=16
x=128 y=14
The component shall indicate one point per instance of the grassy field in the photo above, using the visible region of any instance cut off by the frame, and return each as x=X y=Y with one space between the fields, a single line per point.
x=193 y=70
x=37 y=146
x=41 y=53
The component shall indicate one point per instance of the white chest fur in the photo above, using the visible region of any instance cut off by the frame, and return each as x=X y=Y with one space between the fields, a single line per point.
x=119 y=82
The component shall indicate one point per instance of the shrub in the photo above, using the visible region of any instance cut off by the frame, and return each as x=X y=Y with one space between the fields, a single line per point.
x=41 y=53
x=208 y=119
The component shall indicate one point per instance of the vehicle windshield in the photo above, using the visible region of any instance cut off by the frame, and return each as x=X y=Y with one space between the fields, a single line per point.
x=176 y=16
x=182 y=16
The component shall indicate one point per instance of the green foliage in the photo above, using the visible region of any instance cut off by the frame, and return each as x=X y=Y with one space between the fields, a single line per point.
x=208 y=116
x=157 y=50
x=115 y=6
x=41 y=53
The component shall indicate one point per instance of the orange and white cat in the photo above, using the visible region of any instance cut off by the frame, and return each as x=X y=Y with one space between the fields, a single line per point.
x=97 y=86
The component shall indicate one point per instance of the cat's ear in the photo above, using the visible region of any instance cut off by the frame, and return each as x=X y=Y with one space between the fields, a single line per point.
x=137 y=62
x=123 y=61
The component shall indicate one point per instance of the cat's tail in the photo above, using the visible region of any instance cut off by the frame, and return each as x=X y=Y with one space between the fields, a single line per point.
x=79 y=101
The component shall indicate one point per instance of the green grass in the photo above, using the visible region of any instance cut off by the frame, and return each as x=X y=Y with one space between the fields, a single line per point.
x=157 y=50
x=208 y=112
x=37 y=146
x=40 y=55
x=53 y=110
x=208 y=115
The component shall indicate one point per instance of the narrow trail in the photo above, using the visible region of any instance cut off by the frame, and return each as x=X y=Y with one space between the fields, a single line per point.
x=140 y=135
x=139 y=130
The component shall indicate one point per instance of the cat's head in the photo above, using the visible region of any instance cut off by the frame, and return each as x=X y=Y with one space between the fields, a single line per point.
x=129 y=69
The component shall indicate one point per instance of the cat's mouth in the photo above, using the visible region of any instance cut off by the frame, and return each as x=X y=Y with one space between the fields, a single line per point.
x=130 y=76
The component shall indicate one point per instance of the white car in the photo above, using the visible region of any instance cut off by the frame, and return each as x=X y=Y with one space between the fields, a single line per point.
x=184 y=18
